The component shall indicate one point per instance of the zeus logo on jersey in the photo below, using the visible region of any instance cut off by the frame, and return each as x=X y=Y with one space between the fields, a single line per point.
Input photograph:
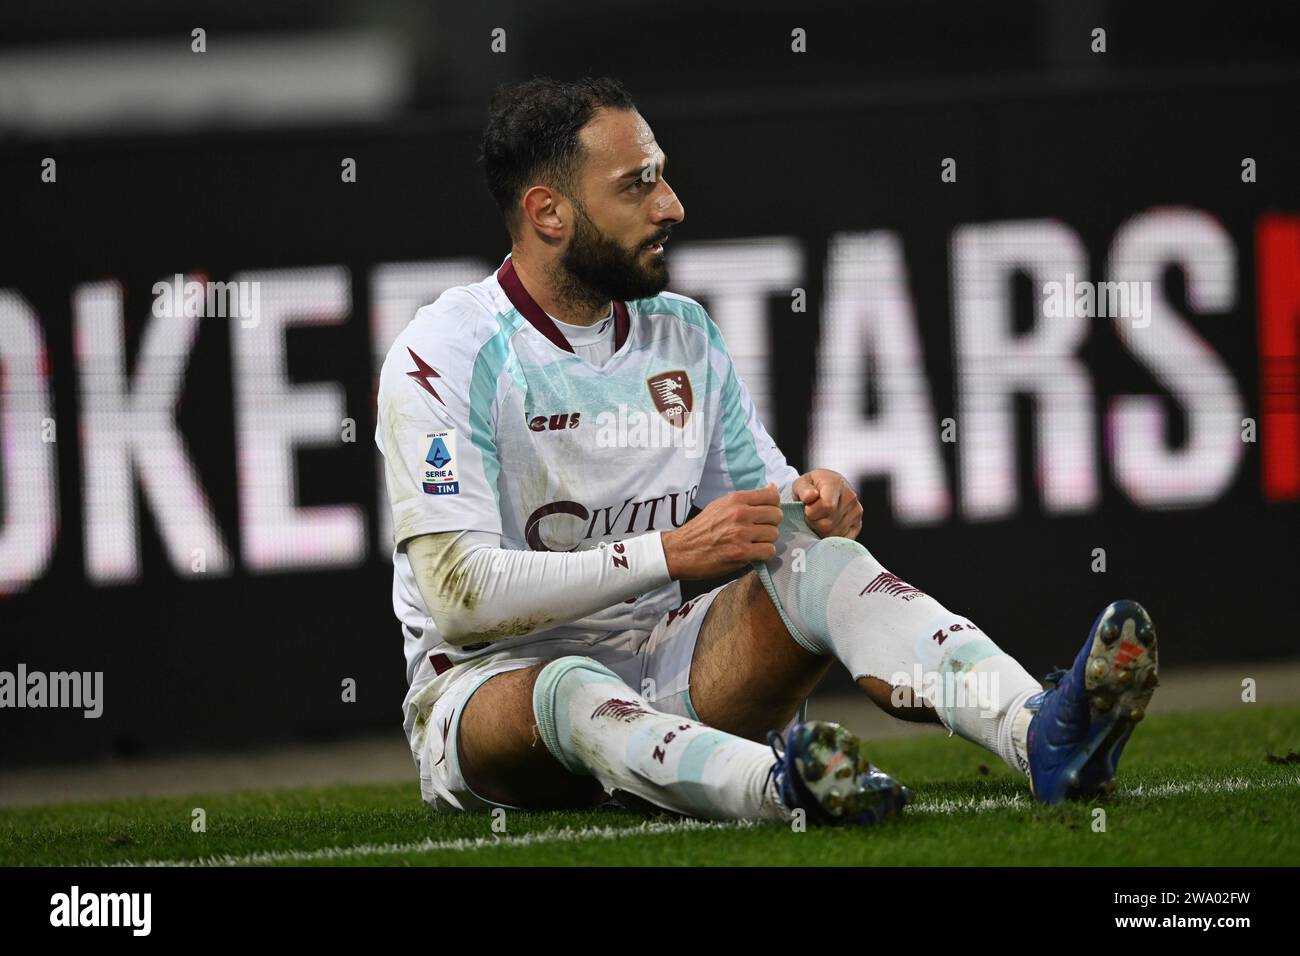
x=541 y=423
x=440 y=476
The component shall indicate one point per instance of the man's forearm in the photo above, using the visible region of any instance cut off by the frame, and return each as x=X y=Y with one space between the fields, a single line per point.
x=477 y=591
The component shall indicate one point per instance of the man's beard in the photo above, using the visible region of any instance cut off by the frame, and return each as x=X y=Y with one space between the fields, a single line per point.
x=595 y=268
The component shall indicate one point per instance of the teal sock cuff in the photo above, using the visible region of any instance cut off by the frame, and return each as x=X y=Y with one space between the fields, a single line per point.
x=823 y=561
x=765 y=576
x=792 y=519
x=549 y=717
x=792 y=524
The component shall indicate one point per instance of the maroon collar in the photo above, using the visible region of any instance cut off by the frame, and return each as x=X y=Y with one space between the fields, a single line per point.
x=536 y=315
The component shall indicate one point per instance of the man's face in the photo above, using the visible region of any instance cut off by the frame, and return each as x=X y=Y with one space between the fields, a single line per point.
x=624 y=210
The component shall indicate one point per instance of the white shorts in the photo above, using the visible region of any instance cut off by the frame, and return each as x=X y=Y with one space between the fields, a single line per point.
x=656 y=664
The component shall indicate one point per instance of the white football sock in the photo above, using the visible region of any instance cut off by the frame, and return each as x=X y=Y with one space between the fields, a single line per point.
x=836 y=599
x=595 y=724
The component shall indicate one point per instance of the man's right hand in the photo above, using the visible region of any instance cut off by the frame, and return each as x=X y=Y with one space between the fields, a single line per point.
x=730 y=533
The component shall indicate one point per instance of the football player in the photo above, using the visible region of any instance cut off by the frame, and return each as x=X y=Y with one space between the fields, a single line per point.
x=547 y=432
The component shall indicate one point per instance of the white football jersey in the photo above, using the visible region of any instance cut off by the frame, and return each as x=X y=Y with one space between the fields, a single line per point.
x=488 y=421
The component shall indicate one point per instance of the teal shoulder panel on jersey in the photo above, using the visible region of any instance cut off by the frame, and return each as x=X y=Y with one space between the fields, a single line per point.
x=491 y=360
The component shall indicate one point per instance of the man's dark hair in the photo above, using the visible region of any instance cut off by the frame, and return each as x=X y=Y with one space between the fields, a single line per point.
x=532 y=135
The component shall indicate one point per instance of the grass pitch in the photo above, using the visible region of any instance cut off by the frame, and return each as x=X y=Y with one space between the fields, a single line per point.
x=1195 y=788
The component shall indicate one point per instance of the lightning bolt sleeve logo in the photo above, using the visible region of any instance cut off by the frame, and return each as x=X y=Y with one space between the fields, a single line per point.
x=422 y=373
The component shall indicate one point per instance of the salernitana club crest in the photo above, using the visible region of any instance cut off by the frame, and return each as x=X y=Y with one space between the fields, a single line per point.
x=672 y=395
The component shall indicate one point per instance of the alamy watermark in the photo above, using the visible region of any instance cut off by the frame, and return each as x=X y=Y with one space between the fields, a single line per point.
x=951 y=689
x=75 y=908
x=1119 y=300
x=634 y=428
x=241 y=300
x=77 y=690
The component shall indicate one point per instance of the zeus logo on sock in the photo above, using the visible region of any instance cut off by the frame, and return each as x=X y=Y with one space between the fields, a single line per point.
x=887 y=583
x=624 y=710
x=439 y=473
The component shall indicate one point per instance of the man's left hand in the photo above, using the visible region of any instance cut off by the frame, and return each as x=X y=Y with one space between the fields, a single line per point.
x=830 y=506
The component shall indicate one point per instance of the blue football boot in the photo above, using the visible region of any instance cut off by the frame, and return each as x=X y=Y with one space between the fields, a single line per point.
x=820 y=769
x=1081 y=725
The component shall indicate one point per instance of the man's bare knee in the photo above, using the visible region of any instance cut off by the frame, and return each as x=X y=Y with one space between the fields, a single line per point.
x=748 y=675
x=502 y=755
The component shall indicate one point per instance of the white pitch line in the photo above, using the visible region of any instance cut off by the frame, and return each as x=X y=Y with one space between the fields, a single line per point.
x=1017 y=801
x=541 y=837
x=1225 y=785
x=583 y=834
